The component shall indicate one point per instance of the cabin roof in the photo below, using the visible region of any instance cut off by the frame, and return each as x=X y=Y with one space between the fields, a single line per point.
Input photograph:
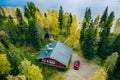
x=58 y=51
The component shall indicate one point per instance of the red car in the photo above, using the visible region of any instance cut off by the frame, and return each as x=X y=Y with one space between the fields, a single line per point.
x=76 y=65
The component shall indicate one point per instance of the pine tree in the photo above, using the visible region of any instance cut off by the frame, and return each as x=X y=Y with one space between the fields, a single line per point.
x=116 y=72
x=15 y=57
x=19 y=16
x=88 y=15
x=104 y=49
x=110 y=63
x=4 y=39
x=82 y=33
x=32 y=35
x=89 y=45
x=21 y=26
x=89 y=35
x=104 y=16
x=103 y=19
x=116 y=44
x=60 y=18
x=2 y=48
x=11 y=30
x=85 y=23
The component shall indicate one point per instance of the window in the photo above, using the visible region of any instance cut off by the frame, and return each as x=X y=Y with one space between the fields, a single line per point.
x=43 y=60
x=51 y=62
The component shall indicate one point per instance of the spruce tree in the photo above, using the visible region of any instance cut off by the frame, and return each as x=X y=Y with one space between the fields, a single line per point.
x=21 y=27
x=89 y=45
x=103 y=19
x=116 y=44
x=104 y=16
x=85 y=23
x=116 y=72
x=19 y=16
x=110 y=63
x=88 y=15
x=104 y=49
x=11 y=30
x=116 y=48
x=32 y=35
x=60 y=18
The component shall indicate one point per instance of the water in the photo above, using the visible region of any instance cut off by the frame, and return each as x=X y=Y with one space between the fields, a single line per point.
x=74 y=6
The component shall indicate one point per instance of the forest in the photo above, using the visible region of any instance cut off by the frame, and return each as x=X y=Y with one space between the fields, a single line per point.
x=22 y=34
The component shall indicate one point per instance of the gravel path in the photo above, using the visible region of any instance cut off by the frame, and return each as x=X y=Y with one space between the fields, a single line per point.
x=86 y=71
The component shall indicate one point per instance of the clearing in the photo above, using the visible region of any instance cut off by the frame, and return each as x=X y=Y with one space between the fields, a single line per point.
x=86 y=71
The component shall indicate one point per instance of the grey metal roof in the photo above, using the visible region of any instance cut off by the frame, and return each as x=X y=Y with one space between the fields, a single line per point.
x=60 y=52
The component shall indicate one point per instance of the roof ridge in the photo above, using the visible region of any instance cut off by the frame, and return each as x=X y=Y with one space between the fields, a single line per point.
x=54 y=48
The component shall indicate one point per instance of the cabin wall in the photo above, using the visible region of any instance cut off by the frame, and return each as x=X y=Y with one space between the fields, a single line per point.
x=52 y=62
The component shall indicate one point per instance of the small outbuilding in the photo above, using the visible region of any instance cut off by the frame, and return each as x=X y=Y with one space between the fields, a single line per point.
x=47 y=36
x=56 y=54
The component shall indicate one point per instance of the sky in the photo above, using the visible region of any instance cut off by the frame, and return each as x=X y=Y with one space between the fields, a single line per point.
x=74 y=6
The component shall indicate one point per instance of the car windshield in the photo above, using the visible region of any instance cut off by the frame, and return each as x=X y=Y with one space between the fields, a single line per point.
x=76 y=63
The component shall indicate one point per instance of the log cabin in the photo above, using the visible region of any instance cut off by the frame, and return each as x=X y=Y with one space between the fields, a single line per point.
x=56 y=54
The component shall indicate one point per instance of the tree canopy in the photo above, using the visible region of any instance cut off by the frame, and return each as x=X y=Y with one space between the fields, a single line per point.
x=31 y=71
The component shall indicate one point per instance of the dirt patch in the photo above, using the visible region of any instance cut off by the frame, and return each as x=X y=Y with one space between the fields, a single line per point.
x=86 y=71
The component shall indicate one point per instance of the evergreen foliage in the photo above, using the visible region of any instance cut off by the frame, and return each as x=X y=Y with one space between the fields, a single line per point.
x=103 y=19
x=89 y=36
x=15 y=57
x=60 y=18
x=26 y=30
x=116 y=44
x=85 y=23
x=21 y=32
x=2 y=48
x=4 y=39
x=110 y=63
x=32 y=36
x=89 y=46
x=116 y=72
x=104 y=49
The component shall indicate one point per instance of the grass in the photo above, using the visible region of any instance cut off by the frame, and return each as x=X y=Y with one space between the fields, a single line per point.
x=49 y=72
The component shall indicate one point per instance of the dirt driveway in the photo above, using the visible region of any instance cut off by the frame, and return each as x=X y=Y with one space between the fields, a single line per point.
x=86 y=71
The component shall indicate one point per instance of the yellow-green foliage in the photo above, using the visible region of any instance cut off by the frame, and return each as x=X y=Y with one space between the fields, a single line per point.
x=52 y=19
x=2 y=48
x=111 y=61
x=5 y=65
x=18 y=77
x=31 y=71
x=74 y=33
x=100 y=74
x=117 y=26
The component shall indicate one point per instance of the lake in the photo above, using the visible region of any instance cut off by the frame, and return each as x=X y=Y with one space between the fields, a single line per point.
x=74 y=6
